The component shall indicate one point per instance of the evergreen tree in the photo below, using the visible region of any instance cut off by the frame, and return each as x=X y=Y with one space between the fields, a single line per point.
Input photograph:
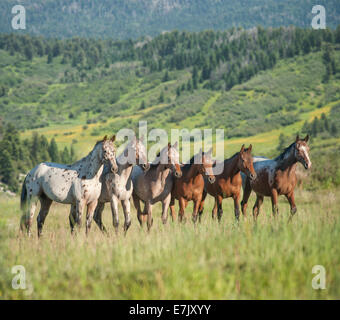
x=65 y=156
x=7 y=171
x=334 y=130
x=53 y=151
x=161 y=97
x=142 y=105
x=49 y=58
x=282 y=142
x=166 y=76
x=28 y=51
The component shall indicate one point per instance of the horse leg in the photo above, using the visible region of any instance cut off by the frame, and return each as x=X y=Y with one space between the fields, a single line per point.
x=114 y=210
x=28 y=214
x=274 y=197
x=257 y=206
x=89 y=214
x=220 y=209
x=214 y=210
x=45 y=204
x=165 y=208
x=97 y=217
x=136 y=203
x=172 y=209
x=79 y=212
x=236 y=198
x=246 y=195
x=197 y=203
x=148 y=209
x=126 y=208
x=201 y=207
x=182 y=205
x=291 y=199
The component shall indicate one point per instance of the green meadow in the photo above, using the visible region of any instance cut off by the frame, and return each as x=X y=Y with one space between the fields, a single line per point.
x=270 y=259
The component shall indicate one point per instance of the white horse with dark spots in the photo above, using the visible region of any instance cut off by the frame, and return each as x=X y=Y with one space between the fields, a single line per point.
x=118 y=186
x=277 y=177
x=77 y=184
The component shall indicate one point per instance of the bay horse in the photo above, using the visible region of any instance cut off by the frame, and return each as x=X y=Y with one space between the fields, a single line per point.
x=277 y=177
x=77 y=184
x=118 y=186
x=228 y=183
x=190 y=186
x=156 y=184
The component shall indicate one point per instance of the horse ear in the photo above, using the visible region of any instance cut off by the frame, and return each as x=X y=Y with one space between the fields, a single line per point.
x=175 y=145
x=242 y=149
x=169 y=145
x=210 y=151
x=297 y=138
x=142 y=139
x=249 y=148
x=306 y=138
x=105 y=138
x=113 y=138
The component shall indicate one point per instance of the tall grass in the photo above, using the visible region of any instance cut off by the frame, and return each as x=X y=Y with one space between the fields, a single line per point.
x=269 y=260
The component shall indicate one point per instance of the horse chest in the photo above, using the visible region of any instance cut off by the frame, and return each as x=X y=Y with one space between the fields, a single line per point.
x=90 y=189
x=284 y=181
x=228 y=187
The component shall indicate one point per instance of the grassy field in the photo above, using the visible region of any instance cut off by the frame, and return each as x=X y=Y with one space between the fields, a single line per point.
x=272 y=259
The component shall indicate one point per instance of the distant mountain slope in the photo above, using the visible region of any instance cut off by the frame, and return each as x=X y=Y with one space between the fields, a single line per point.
x=123 y=19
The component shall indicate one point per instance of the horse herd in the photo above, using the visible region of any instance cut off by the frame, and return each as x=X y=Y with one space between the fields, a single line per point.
x=103 y=177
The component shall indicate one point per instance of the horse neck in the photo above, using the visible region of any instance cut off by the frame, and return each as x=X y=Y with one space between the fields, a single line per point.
x=192 y=172
x=124 y=169
x=230 y=166
x=90 y=166
x=286 y=160
x=162 y=173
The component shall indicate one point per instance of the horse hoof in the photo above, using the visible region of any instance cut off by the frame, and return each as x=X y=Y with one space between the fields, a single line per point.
x=127 y=226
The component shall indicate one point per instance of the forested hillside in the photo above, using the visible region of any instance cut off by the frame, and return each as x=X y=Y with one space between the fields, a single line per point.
x=125 y=19
x=248 y=82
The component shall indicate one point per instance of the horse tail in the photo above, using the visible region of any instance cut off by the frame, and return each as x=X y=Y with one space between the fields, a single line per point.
x=23 y=197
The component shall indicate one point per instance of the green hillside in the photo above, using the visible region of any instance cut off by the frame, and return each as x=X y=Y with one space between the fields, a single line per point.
x=126 y=19
x=77 y=102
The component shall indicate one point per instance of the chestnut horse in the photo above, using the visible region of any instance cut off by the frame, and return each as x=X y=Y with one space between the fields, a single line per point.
x=228 y=183
x=190 y=186
x=277 y=177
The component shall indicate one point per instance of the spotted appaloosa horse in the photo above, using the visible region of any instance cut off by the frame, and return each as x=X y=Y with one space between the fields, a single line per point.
x=118 y=186
x=190 y=186
x=277 y=177
x=156 y=184
x=77 y=184
x=229 y=182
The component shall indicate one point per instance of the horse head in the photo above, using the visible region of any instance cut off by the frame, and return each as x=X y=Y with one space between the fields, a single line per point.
x=109 y=152
x=205 y=163
x=170 y=157
x=301 y=151
x=141 y=154
x=245 y=162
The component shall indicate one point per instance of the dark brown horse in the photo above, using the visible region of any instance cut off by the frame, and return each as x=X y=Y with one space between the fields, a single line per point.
x=277 y=177
x=228 y=183
x=190 y=186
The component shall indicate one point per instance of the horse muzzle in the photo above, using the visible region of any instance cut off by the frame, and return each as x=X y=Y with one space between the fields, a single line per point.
x=307 y=165
x=114 y=170
x=145 y=166
x=211 y=179
x=178 y=174
x=252 y=176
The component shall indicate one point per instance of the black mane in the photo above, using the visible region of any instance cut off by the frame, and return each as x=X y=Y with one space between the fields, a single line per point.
x=285 y=151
